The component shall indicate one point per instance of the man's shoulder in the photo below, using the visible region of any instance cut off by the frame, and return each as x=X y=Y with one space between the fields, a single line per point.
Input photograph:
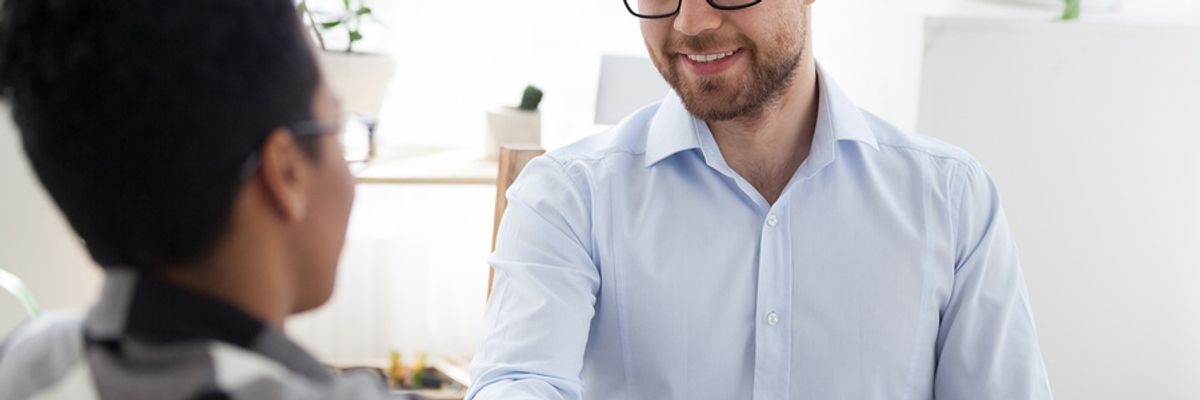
x=898 y=143
x=48 y=357
x=45 y=339
x=625 y=141
x=41 y=354
x=241 y=371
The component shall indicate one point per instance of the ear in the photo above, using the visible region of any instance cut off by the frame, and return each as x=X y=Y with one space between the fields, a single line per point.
x=285 y=175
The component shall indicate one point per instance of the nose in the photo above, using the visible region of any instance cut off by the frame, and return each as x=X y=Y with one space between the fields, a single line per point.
x=696 y=16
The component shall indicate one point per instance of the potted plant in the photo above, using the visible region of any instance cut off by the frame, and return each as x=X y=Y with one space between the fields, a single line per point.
x=1073 y=8
x=360 y=79
x=520 y=125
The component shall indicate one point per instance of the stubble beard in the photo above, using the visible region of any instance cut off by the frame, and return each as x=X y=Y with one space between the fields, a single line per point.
x=724 y=98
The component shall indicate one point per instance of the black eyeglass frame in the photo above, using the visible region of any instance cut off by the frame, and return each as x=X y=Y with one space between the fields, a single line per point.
x=679 y=5
x=315 y=128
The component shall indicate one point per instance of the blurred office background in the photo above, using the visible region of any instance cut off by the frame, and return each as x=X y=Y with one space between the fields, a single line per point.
x=1091 y=129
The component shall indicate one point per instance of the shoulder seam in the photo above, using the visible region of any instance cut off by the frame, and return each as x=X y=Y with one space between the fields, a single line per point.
x=561 y=159
x=927 y=152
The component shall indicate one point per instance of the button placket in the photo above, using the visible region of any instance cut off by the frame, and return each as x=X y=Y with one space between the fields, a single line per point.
x=773 y=335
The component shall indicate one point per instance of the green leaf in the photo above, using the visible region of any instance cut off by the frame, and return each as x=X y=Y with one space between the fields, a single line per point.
x=331 y=24
x=355 y=36
x=11 y=284
x=363 y=11
x=347 y=4
x=1072 y=10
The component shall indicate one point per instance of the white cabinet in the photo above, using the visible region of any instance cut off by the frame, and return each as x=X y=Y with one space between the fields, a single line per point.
x=1092 y=132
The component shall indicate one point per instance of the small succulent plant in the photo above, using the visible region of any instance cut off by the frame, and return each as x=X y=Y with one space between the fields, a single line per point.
x=531 y=99
x=349 y=19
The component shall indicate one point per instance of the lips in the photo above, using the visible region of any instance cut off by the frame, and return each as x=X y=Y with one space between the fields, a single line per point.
x=710 y=63
x=710 y=57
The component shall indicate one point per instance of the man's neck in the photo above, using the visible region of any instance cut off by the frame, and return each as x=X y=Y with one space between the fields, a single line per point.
x=768 y=148
x=243 y=274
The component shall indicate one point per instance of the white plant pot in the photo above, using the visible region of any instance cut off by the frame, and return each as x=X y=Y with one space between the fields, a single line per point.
x=512 y=126
x=1085 y=6
x=359 y=79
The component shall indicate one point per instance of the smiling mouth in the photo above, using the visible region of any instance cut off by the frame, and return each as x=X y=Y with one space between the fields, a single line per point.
x=707 y=58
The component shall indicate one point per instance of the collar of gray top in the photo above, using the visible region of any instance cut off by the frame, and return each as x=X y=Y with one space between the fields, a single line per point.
x=137 y=306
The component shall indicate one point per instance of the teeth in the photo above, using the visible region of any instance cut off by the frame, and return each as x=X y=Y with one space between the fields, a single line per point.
x=707 y=58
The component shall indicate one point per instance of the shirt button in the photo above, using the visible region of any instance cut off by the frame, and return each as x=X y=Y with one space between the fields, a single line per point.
x=772 y=220
x=772 y=318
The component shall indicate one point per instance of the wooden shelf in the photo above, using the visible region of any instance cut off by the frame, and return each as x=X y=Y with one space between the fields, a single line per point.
x=415 y=165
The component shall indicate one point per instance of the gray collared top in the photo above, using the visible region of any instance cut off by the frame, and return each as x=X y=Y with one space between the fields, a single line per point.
x=147 y=339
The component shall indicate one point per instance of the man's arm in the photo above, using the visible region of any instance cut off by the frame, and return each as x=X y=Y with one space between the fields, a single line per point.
x=987 y=344
x=536 y=324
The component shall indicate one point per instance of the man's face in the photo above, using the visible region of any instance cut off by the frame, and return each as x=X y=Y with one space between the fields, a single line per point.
x=323 y=231
x=729 y=64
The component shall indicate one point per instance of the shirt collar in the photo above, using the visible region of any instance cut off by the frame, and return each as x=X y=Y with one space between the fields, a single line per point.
x=136 y=306
x=673 y=130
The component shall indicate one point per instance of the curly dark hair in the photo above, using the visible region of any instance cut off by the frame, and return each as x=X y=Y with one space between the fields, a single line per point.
x=137 y=114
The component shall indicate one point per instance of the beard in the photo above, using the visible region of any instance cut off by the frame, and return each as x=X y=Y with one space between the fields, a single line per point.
x=724 y=97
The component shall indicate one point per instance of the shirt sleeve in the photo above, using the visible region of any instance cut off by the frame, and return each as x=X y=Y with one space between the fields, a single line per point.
x=987 y=344
x=535 y=326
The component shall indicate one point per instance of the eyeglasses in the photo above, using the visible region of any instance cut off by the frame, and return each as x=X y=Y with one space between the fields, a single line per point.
x=355 y=132
x=653 y=9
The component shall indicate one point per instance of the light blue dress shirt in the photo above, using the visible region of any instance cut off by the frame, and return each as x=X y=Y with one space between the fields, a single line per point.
x=636 y=264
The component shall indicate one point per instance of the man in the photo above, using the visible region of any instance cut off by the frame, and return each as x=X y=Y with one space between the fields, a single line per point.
x=194 y=148
x=754 y=235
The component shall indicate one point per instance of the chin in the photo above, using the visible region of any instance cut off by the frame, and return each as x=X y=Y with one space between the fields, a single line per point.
x=714 y=107
x=712 y=97
x=309 y=304
x=311 y=298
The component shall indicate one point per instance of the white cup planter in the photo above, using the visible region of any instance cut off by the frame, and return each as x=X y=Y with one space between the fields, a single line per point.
x=512 y=126
x=359 y=79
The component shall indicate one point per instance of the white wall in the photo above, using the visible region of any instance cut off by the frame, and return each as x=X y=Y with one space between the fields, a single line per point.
x=454 y=65
x=872 y=48
x=1092 y=133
